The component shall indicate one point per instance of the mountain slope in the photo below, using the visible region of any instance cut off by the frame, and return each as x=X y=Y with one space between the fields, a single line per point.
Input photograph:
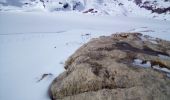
x=148 y=8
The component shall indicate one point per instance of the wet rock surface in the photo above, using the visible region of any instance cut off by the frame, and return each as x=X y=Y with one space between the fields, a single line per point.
x=113 y=68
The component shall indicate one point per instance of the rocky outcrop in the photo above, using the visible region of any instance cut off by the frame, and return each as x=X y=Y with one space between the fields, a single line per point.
x=153 y=6
x=124 y=66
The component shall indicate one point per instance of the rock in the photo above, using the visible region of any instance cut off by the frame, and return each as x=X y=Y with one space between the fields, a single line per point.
x=104 y=69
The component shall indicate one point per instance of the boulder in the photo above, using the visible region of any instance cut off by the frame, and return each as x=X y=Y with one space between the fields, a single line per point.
x=123 y=66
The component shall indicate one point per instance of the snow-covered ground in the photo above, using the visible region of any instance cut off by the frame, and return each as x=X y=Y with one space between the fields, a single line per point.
x=37 y=43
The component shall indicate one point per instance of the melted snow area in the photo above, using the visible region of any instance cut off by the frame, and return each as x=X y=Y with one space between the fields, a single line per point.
x=36 y=44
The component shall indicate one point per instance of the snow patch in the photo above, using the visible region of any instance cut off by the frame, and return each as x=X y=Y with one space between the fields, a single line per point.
x=164 y=57
x=141 y=63
x=162 y=69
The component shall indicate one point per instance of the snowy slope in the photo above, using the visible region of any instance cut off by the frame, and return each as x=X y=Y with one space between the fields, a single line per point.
x=34 y=43
x=158 y=9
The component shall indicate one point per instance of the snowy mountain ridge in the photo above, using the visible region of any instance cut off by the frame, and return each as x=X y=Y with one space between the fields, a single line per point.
x=159 y=9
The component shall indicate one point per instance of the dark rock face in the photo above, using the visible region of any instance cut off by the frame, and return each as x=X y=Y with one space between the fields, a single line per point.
x=152 y=6
x=156 y=10
x=105 y=69
x=138 y=2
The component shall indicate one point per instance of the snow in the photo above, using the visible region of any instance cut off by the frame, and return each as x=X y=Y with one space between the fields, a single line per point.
x=164 y=57
x=165 y=70
x=168 y=75
x=157 y=67
x=139 y=63
x=25 y=57
x=148 y=38
x=3 y=1
x=34 y=43
x=103 y=7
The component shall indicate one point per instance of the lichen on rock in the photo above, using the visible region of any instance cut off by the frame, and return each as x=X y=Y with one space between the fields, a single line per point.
x=104 y=69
